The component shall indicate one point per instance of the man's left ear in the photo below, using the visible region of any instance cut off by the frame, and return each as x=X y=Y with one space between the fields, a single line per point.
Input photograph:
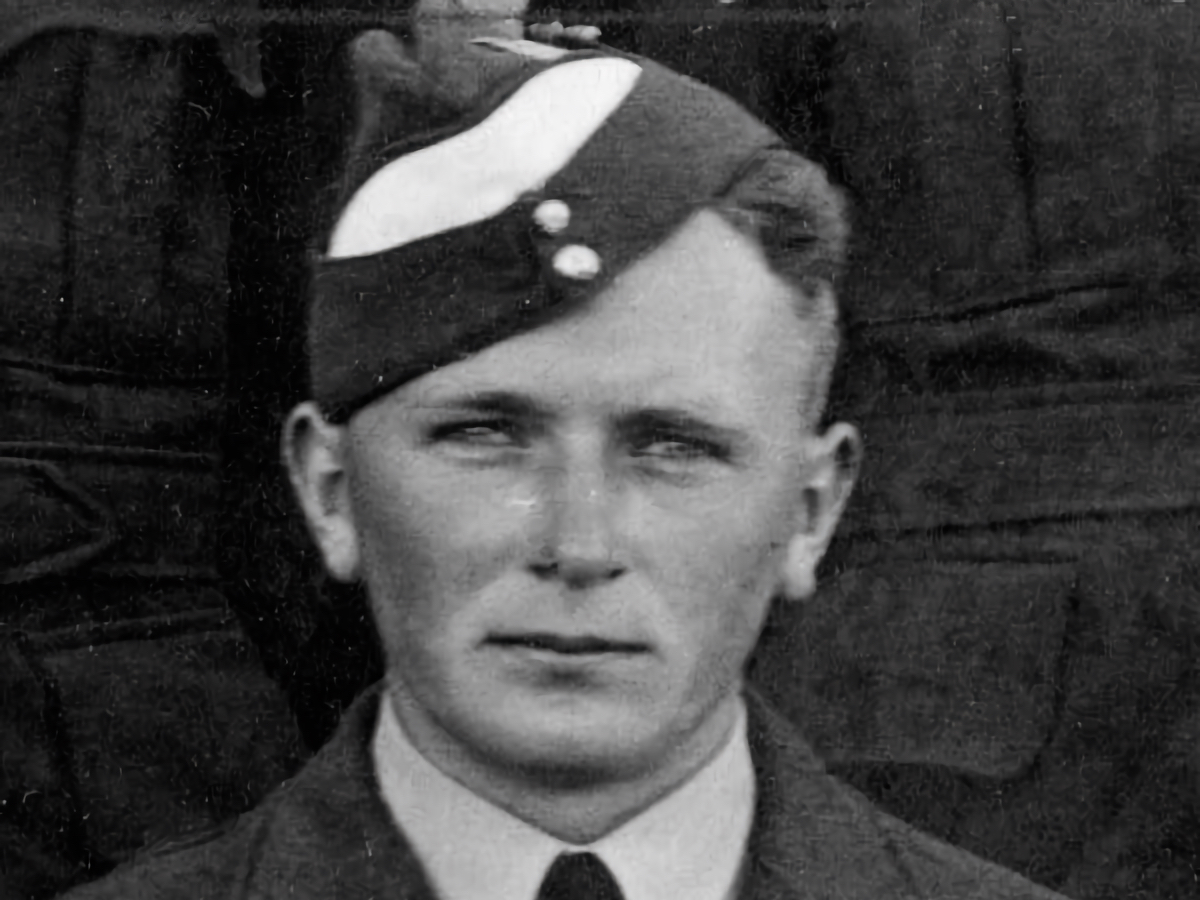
x=833 y=463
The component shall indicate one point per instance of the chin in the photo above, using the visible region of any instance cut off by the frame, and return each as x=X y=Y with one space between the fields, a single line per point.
x=570 y=743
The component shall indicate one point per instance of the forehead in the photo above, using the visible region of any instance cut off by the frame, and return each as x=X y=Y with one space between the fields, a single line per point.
x=701 y=321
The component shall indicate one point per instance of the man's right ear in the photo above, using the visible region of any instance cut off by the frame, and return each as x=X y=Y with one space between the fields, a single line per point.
x=314 y=455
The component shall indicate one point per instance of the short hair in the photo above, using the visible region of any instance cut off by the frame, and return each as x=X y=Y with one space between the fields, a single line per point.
x=787 y=205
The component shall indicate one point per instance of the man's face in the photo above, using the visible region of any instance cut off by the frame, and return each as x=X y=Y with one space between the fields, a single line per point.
x=571 y=538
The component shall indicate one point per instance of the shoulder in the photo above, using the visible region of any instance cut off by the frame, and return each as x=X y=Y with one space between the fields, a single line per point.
x=202 y=866
x=933 y=868
x=812 y=826
x=896 y=852
x=225 y=860
x=292 y=844
x=943 y=870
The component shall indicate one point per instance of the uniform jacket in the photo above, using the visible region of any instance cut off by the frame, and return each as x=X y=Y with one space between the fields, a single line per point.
x=327 y=835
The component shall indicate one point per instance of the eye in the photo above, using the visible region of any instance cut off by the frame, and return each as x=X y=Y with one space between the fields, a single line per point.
x=678 y=448
x=478 y=433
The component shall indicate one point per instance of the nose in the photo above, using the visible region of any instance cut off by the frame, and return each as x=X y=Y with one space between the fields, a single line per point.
x=579 y=545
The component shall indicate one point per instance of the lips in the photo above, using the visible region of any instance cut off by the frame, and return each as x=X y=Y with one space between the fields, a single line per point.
x=583 y=645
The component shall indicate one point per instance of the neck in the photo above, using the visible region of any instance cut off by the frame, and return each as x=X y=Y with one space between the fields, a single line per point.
x=579 y=809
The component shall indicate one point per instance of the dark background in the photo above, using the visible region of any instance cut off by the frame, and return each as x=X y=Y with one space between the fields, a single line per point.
x=1004 y=649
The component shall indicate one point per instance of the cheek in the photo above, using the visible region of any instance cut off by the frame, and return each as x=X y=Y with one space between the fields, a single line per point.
x=397 y=545
x=432 y=541
x=725 y=566
x=748 y=531
x=723 y=582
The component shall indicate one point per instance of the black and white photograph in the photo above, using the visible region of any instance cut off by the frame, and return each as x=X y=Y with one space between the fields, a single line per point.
x=601 y=450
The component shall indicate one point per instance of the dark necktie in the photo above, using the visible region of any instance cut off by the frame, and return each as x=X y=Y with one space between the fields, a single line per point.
x=579 y=876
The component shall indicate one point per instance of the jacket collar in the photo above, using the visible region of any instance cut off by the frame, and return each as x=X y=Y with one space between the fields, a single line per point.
x=328 y=834
x=812 y=837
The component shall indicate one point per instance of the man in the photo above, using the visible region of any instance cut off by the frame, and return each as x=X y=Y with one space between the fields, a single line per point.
x=569 y=355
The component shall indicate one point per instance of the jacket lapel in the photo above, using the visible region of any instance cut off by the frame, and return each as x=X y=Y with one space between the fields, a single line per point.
x=811 y=838
x=332 y=837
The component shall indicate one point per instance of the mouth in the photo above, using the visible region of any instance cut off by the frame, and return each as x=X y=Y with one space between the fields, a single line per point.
x=566 y=645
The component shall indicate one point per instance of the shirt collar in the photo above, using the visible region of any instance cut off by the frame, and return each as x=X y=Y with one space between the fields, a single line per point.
x=691 y=843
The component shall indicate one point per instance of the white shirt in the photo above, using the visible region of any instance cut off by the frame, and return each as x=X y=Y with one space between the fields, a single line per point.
x=689 y=844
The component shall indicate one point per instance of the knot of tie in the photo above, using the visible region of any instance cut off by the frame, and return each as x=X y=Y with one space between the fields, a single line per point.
x=579 y=876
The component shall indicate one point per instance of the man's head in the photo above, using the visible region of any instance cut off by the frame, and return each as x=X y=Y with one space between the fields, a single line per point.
x=571 y=534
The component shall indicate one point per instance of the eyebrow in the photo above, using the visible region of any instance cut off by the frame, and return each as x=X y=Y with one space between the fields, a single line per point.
x=505 y=403
x=674 y=419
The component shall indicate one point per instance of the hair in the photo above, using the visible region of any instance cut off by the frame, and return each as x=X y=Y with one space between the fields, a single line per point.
x=786 y=203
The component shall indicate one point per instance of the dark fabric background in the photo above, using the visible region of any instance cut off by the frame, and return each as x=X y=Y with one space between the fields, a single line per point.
x=1004 y=647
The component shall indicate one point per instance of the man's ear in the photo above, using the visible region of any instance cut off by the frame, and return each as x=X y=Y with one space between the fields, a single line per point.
x=314 y=453
x=833 y=464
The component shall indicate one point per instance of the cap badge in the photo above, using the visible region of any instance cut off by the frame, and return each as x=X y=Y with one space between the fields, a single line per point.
x=552 y=216
x=577 y=261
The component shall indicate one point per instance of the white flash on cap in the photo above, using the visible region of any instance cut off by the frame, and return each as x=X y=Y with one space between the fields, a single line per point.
x=479 y=173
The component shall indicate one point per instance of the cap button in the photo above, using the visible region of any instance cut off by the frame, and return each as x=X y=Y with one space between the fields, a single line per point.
x=577 y=261
x=552 y=216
